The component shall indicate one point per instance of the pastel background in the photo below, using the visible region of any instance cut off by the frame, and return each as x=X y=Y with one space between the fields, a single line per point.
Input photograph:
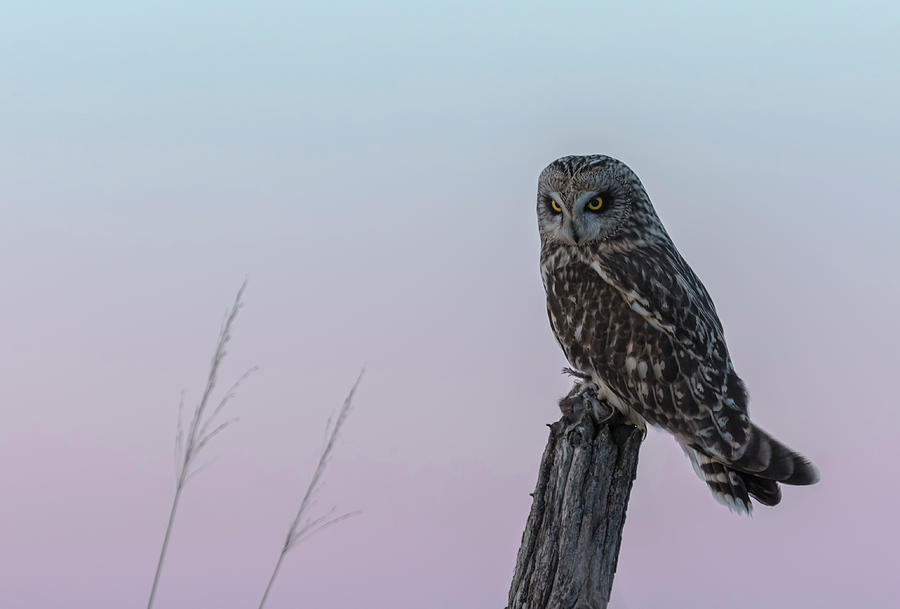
x=371 y=169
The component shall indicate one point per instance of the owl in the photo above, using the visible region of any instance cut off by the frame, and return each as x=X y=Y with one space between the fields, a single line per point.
x=639 y=327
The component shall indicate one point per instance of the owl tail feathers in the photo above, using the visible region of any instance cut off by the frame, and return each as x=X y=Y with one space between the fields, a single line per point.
x=767 y=459
x=728 y=486
x=764 y=464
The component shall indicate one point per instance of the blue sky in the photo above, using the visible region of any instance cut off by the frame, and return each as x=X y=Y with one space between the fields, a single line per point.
x=371 y=169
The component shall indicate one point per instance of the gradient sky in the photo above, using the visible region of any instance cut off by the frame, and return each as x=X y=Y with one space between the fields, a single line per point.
x=371 y=169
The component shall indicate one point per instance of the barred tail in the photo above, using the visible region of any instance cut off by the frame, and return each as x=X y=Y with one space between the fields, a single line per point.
x=764 y=463
x=767 y=458
x=727 y=486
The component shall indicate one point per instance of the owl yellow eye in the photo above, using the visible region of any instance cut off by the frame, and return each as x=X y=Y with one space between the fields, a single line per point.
x=555 y=206
x=595 y=204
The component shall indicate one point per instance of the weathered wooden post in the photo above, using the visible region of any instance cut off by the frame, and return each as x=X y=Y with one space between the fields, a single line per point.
x=571 y=541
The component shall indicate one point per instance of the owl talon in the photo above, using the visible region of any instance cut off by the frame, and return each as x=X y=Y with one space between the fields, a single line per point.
x=603 y=412
x=580 y=375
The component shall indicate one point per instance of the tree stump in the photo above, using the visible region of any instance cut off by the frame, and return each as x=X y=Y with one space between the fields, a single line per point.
x=571 y=542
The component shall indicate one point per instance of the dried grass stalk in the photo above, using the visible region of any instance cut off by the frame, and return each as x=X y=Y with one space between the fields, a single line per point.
x=204 y=426
x=303 y=526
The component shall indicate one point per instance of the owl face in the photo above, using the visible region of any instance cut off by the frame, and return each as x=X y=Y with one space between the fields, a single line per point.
x=584 y=199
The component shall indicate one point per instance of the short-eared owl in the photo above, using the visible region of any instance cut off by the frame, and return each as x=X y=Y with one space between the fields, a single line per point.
x=636 y=322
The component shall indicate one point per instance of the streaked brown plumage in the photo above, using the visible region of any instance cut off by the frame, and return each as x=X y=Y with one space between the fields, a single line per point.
x=632 y=316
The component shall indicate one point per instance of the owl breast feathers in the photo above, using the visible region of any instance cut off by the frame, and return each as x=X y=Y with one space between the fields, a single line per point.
x=631 y=315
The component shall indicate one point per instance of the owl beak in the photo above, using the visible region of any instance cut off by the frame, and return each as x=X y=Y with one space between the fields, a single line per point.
x=576 y=238
x=569 y=232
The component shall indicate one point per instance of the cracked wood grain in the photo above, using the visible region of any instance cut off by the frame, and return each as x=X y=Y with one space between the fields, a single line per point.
x=571 y=542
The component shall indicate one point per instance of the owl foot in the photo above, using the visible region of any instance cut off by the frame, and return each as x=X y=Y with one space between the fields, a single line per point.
x=583 y=397
x=584 y=376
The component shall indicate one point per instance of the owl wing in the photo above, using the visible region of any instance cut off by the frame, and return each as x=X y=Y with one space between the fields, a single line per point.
x=657 y=342
x=660 y=286
x=704 y=401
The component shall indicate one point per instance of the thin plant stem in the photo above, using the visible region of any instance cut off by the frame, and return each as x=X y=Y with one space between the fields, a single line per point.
x=302 y=527
x=275 y=571
x=165 y=546
x=188 y=446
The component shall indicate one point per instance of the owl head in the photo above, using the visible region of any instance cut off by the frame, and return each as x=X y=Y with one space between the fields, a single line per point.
x=583 y=200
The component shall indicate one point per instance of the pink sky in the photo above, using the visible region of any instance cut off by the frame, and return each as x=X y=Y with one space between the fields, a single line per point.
x=377 y=189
